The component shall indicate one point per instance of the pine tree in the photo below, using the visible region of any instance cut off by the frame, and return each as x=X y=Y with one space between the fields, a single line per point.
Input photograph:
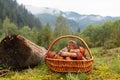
x=61 y=27
x=45 y=36
x=6 y=24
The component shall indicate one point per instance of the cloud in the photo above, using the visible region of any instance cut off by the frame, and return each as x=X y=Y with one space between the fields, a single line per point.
x=101 y=7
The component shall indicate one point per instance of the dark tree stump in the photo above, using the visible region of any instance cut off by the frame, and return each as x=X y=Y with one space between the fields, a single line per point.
x=17 y=52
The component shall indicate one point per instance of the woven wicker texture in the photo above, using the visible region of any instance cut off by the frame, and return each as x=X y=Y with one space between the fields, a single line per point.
x=73 y=65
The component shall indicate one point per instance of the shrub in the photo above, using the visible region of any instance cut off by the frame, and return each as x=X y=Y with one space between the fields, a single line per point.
x=110 y=44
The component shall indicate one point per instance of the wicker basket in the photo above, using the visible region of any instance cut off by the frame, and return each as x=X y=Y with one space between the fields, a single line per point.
x=56 y=65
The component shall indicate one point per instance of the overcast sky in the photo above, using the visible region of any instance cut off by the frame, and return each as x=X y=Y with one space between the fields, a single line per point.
x=98 y=7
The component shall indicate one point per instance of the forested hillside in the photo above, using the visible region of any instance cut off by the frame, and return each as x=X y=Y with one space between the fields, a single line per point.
x=17 y=14
x=15 y=19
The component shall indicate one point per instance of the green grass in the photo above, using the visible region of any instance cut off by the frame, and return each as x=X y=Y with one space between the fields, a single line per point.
x=115 y=65
x=106 y=67
x=73 y=76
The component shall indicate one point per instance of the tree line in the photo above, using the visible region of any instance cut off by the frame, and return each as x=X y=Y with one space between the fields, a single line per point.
x=42 y=36
x=105 y=35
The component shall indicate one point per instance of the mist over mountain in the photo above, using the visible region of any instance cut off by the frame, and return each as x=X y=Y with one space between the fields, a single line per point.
x=74 y=19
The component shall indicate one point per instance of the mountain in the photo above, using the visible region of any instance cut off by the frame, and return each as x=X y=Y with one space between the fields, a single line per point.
x=74 y=20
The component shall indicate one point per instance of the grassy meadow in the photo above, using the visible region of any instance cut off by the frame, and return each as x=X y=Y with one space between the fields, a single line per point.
x=106 y=67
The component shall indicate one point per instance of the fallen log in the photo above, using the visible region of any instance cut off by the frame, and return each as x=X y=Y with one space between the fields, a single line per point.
x=17 y=52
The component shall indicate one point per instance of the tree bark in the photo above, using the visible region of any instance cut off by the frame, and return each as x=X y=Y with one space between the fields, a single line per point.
x=17 y=52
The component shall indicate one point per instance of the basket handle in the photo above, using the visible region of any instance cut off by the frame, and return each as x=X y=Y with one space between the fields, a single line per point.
x=70 y=36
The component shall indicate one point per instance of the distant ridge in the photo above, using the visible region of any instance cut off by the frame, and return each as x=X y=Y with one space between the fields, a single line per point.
x=75 y=20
